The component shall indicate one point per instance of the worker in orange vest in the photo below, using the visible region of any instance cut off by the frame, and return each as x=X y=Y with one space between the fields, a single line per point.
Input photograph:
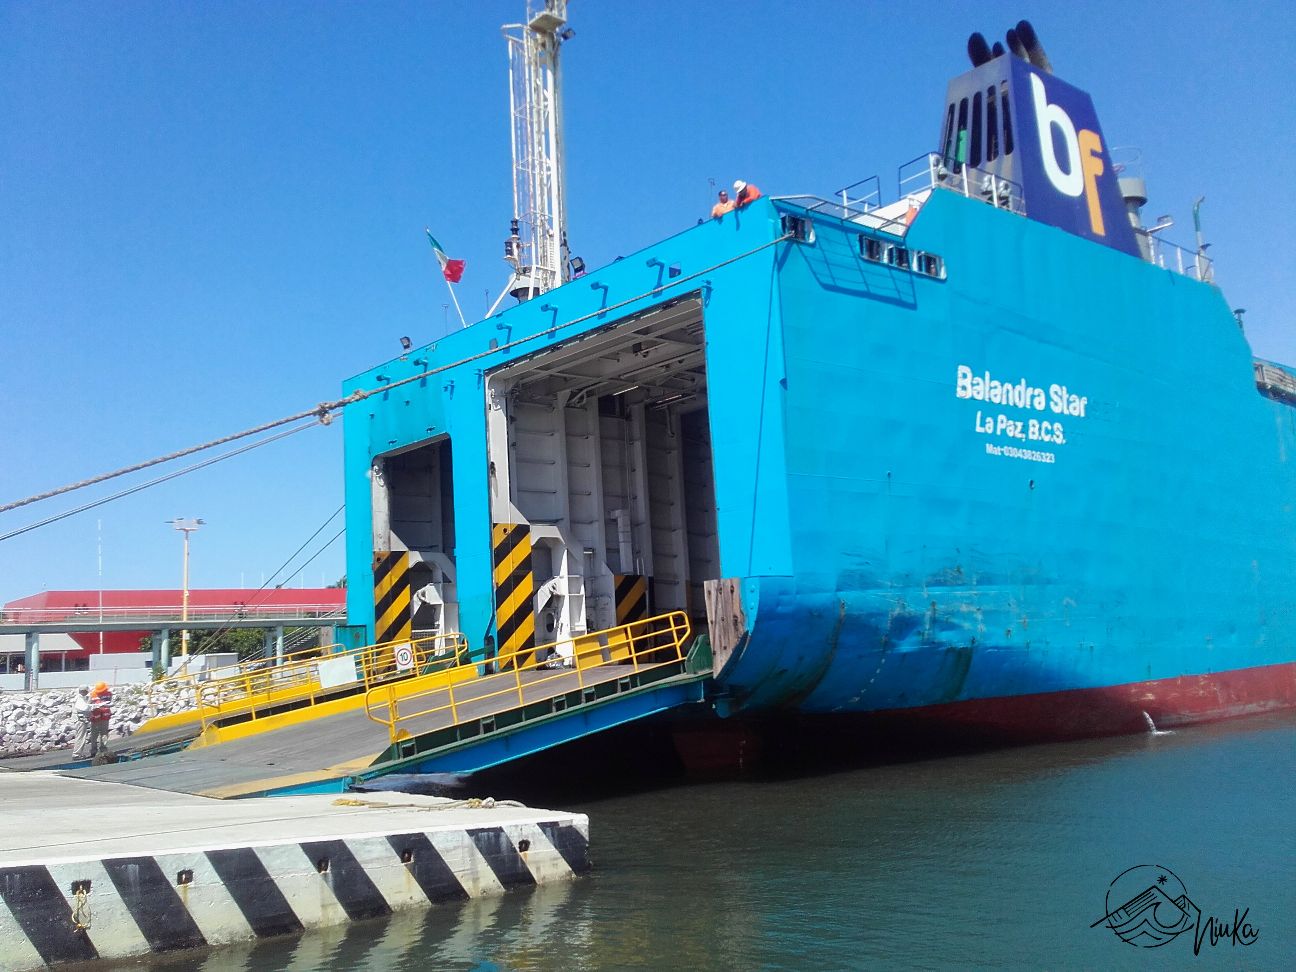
x=100 y=714
x=746 y=193
x=724 y=205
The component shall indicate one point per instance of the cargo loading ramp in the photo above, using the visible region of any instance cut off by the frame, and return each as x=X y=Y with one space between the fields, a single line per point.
x=446 y=722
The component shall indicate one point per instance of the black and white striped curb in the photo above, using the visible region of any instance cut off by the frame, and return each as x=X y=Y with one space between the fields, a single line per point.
x=72 y=911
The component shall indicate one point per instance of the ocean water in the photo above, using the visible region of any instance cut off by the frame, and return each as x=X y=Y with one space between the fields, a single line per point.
x=990 y=859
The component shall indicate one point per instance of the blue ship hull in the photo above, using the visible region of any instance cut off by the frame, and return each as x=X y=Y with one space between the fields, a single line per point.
x=889 y=536
x=918 y=567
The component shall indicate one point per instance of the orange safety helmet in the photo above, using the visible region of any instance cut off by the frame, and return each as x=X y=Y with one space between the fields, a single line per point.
x=100 y=688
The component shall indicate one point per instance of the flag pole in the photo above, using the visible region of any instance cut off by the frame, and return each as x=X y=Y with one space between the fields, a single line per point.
x=458 y=309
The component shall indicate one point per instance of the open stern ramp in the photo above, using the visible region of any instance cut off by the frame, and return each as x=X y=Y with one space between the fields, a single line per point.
x=461 y=718
x=611 y=677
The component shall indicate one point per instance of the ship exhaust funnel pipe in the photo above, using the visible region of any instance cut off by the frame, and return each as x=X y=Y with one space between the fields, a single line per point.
x=978 y=50
x=1034 y=49
x=1015 y=45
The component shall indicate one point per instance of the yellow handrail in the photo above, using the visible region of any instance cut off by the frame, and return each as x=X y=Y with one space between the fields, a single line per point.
x=171 y=683
x=254 y=688
x=643 y=645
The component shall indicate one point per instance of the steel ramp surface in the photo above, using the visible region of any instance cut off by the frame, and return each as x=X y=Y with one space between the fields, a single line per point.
x=453 y=716
x=467 y=747
x=298 y=756
x=328 y=753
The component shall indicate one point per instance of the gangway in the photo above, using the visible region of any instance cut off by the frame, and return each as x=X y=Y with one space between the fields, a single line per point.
x=459 y=718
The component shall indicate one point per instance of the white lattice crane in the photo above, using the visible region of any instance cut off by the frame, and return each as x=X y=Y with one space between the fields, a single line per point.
x=536 y=248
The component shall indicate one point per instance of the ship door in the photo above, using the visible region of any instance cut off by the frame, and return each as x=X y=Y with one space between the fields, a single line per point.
x=414 y=543
x=600 y=449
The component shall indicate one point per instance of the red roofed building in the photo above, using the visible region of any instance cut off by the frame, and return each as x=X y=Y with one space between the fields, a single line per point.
x=156 y=609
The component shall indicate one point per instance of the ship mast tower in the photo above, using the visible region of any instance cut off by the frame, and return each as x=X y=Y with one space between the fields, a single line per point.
x=536 y=248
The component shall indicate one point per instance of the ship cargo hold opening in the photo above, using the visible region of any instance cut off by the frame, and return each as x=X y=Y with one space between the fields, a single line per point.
x=413 y=512
x=601 y=448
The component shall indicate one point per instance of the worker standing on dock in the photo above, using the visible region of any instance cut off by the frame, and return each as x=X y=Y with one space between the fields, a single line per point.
x=81 y=706
x=100 y=714
x=746 y=193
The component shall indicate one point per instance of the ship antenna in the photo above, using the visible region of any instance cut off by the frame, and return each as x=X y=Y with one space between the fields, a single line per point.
x=1204 y=266
x=536 y=248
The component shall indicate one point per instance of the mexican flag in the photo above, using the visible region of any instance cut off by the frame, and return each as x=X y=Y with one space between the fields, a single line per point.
x=452 y=269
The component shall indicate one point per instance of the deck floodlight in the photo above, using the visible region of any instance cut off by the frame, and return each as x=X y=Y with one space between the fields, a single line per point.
x=577 y=267
x=406 y=344
x=1162 y=223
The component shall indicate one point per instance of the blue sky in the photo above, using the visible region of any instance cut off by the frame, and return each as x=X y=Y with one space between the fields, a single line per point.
x=210 y=214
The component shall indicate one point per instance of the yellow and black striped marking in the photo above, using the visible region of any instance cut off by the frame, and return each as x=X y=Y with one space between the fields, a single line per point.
x=514 y=593
x=631 y=597
x=392 y=618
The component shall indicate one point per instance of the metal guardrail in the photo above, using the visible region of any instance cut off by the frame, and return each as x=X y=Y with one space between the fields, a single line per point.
x=182 y=680
x=853 y=211
x=1171 y=256
x=867 y=195
x=303 y=681
x=153 y=614
x=597 y=657
x=860 y=203
x=936 y=171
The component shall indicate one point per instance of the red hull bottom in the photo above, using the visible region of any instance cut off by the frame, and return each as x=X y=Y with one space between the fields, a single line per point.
x=1113 y=710
x=1116 y=709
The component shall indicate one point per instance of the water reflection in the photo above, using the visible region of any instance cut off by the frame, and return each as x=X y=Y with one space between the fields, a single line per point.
x=991 y=859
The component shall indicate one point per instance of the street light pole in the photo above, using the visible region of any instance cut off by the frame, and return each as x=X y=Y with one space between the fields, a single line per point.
x=186 y=527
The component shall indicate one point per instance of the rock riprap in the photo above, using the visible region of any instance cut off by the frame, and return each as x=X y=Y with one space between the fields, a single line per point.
x=37 y=722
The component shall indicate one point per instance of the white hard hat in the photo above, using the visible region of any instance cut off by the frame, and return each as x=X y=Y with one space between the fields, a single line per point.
x=739 y=186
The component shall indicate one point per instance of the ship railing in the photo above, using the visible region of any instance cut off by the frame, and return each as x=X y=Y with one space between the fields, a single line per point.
x=1170 y=256
x=462 y=692
x=863 y=196
x=185 y=679
x=936 y=171
x=862 y=210
x=317 y=675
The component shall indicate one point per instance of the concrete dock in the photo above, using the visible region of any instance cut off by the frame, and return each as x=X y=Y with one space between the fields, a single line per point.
x=94 y=869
